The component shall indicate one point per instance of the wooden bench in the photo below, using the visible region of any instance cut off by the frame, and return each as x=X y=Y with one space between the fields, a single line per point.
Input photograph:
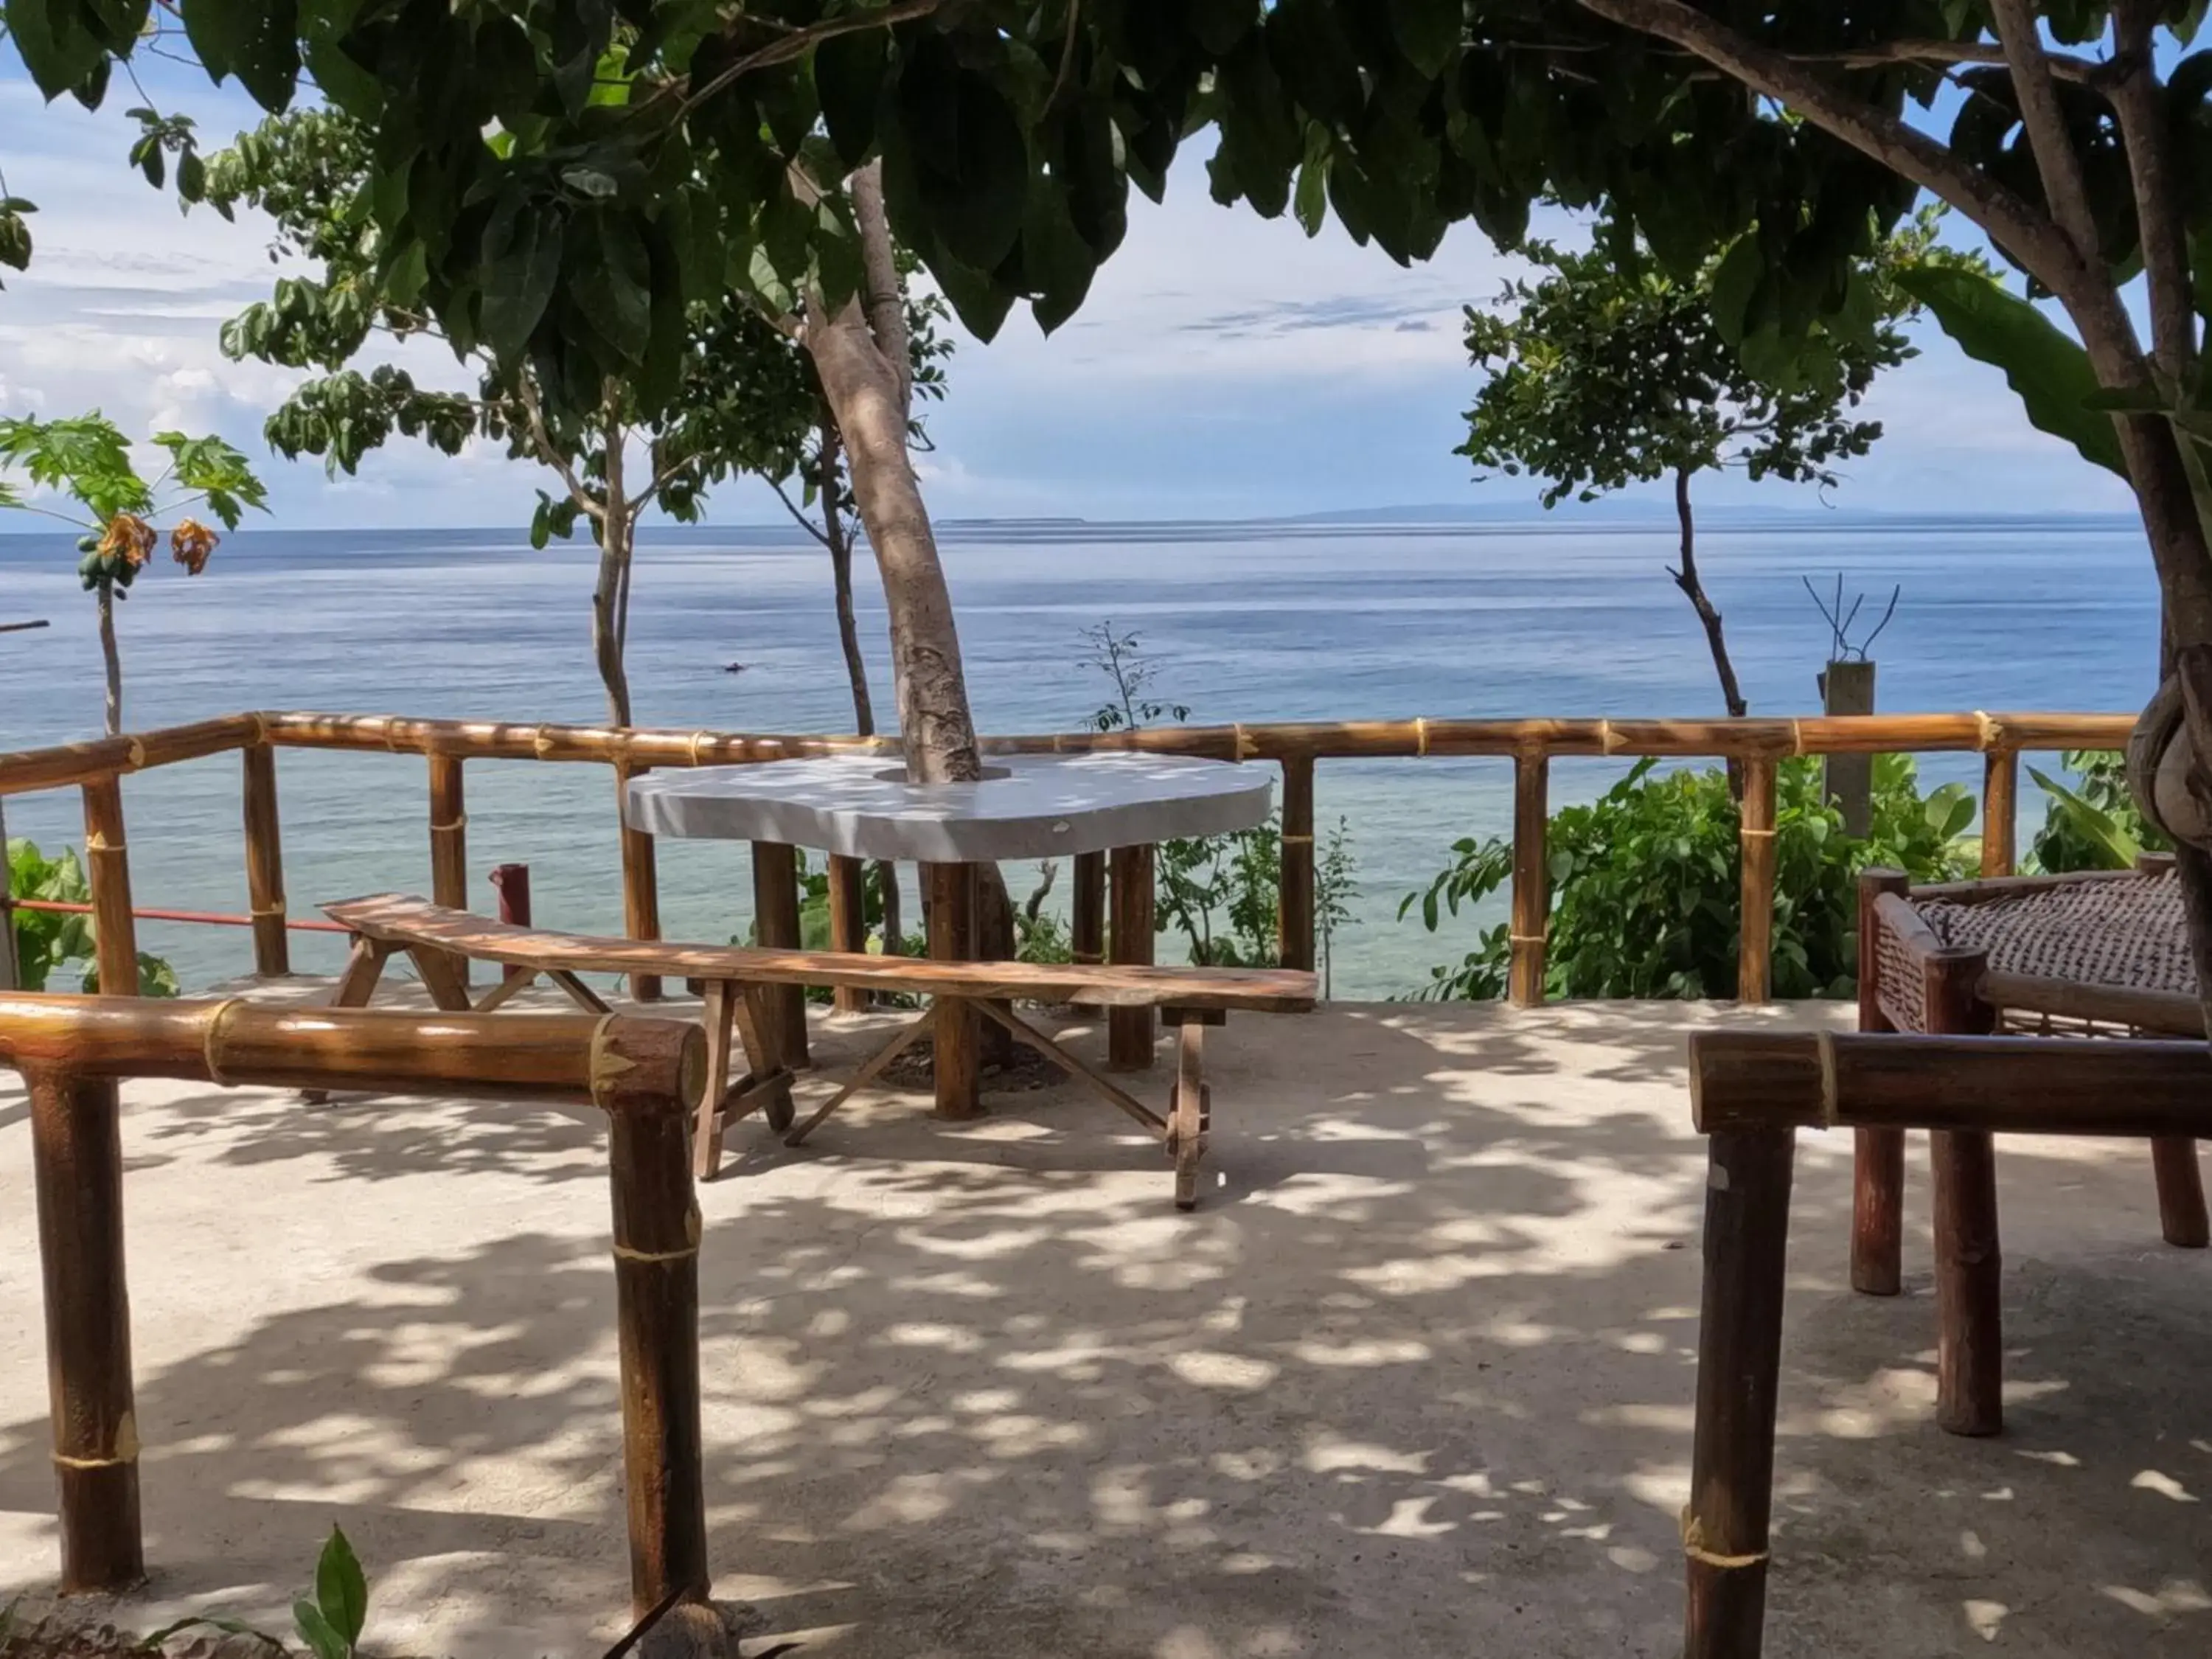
x=734 y=979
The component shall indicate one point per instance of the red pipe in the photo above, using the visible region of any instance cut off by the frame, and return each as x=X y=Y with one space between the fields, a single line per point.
x=208 y=918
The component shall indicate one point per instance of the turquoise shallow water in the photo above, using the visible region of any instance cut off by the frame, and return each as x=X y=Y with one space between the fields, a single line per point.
x=1243 y=622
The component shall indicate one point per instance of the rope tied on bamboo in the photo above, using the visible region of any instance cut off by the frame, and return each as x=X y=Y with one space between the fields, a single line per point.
x=1693 y=1545
x=138 y=754
x=260 y=728
x=1287 y=840
x=1242 y=749
x=96 y=842
x=1607 y=738
x=1796 y=736
x=1421 y=736
x=1756 y=835
x=275 y=909
x=540 y=745
x=459 y=823
x=1527 y=939
x=696 y=738
x=211 y=1044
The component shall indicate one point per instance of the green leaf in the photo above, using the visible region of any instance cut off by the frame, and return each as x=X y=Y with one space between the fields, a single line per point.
x=522 y=262
x=2116 y=847
x=611 y=276
x=315 y=1631
x=970 y=158
x=2050 y=372
x=341 y=1587
x=849 y=79
x=1428 y=31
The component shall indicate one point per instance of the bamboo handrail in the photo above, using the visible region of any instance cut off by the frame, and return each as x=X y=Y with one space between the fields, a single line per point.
x=1755 y=745
x=646 y=1074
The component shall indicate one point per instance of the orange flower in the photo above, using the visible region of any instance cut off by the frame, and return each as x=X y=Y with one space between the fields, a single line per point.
x=130 y=537
x=190 y=542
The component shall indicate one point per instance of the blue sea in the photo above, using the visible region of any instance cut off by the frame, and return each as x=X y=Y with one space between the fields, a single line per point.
x=1250 y=622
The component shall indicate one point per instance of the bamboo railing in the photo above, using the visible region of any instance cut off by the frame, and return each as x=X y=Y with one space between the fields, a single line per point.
x=646 y=1075
x=1757 y=745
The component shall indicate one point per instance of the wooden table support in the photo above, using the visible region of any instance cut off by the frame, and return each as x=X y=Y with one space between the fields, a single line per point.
x=1086 y=925
x=957 y=1042
x=1294 y=918
x=1755 y=954
x=1132 y=1032
x=76 y=1152
x=776 y=924
x=1877 y=1155
x=848 y=924
x=1725 y=1523
x=641 y=879
x=449 y=844
x=1969 y=1264
x=1532 y=879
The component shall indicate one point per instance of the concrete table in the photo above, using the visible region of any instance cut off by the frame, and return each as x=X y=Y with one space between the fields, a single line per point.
x=1026 y=806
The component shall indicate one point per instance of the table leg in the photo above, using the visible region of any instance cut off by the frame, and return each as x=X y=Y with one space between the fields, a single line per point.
x=775 y=925
x=1130 y=1032
x=952 y=938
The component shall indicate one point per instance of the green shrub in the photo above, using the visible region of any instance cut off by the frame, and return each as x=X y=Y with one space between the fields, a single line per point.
x=47 y=941
x=1646 y=884
x=2092 y=824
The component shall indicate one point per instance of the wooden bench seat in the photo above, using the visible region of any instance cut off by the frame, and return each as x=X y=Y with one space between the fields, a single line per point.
x=733 y=978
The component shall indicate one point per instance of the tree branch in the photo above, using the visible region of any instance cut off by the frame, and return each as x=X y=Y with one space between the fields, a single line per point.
x=792 y=507
x=2024 y=231
x=2161 y=229
x=2063 y=186
x=547 y=452
x=799 y=42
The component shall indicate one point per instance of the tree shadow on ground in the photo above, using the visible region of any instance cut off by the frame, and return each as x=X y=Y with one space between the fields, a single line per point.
x=1416 y=1379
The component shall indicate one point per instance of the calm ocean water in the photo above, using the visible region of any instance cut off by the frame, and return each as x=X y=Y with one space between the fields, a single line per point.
x=1244 y=623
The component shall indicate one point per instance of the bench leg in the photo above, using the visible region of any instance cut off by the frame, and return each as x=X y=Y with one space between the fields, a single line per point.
x=1969 y=1328
x=2181 y=1215
x=706 y=1133
x=1186 y=1120
x=1877 y=1211
x=364 y=967
x=756 y=1023
x=443 y=978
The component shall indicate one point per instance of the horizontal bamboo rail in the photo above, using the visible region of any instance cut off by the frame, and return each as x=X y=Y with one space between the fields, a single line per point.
x=1755 y=744
x=197 y=918
x=646 y=1074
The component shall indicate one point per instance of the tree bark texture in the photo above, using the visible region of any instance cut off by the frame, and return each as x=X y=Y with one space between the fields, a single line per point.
x=837 y=537
x=1686 y=578
x=112 y=658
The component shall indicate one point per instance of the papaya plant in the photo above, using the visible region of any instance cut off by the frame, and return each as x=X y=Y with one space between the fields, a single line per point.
x=85 y=460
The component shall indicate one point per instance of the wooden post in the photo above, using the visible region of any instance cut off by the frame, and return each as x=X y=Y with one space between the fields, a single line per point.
x=76 y=1153
x=1294 y=908
x=1724 y=1526
x=2000 y=811
x=656 y=1240
x=449 y=843
x=848 y=924
x=264 y=863
x=1130 y=1032
x=640 y=881
x=510 y=883
x=1086 y=927
x=775 y=925
x=1532 y=879
x=956 y=1044
x=1754 y=952
x=1847 y=781
x=11 y=970
x=1969 y=1317
x=1877 y=1155
x=107 y=866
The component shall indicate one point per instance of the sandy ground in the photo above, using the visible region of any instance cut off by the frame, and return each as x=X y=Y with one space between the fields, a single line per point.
x=1415 y=1380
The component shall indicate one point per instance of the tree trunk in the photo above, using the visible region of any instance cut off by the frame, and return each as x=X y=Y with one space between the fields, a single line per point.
x=837 y=537
x=1686 y=578
x=113 y=657
x=616 y=530
x=866 y=388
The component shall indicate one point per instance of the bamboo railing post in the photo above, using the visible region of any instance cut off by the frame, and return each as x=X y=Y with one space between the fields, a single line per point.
x=1877 y=1155
x=1754 y=951
x=848 y=924
x=2000 y=811
x=656 y=1250
x=641 y=879
x=11 y=968
x=264 y=863
x=449 y=841
x=1969 y=1318
x=1724 y=1526
x=1531 y=880
x=775 y=926
x=510 y=885
x=1131 y=1032
x=107 y=868
x=76 y=1152
x=1294 y=912
x=1086 y=926
x=956 y=1044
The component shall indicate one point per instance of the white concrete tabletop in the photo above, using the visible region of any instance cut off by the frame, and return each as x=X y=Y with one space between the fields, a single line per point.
x=1032 y=806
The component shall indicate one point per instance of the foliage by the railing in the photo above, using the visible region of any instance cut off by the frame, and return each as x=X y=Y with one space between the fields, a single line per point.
x=48 y=941
x=1222 y=893
x=2092 y=824
x=1645 y=883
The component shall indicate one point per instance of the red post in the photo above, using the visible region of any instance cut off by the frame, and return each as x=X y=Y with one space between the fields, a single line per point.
x=511 y=882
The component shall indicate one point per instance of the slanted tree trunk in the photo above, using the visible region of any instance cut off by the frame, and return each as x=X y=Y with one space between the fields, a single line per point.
x=113 y=657
x=859 y=354
x=837 y=537
x=1686 y=578
x=616 y=528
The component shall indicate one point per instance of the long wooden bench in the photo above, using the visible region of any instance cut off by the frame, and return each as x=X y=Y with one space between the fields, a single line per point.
x=734 y=978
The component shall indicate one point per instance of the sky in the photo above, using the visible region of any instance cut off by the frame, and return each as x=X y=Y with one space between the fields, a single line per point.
x=1223 y=367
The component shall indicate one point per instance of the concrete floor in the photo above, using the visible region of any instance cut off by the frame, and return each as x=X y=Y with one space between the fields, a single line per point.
x=1415 y=1380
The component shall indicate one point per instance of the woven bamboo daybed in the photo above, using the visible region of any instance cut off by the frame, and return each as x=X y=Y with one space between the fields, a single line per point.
x=2097 y=953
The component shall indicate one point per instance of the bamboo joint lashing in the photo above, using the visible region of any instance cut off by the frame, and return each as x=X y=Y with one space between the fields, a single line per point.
x=1527 y=939
x=96 y=842
x=211 y=1044
x=1756 y=835
x=120 y=1460
x=1421 y=736
x=1693 y=1545
x=1288 y=839
x=460 y=823
x=1607 y=738
x=260 y=727
x=1796 y=736
x=1989 y=731
x=138 y=754
x=275 y=909
x=604 y=1068
x=624 y=1253
x=696 y=738
x=1243 y=747
x=539 y=743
